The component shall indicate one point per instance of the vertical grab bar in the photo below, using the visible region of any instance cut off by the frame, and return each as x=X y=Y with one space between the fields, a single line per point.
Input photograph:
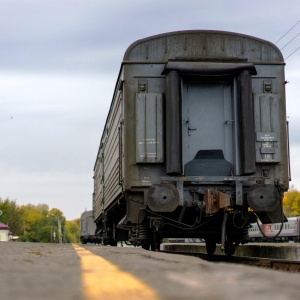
x=288 y=150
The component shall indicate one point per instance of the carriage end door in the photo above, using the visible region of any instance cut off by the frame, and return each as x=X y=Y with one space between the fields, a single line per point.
x=207 y=119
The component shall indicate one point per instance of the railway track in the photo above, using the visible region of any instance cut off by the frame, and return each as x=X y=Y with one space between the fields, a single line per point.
x=268 y=263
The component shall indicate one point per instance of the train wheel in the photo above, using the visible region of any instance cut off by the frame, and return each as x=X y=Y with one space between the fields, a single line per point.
x=230 y=246
x=112 y=242
x=145 y=244
x=210 y=245
x=155 y=241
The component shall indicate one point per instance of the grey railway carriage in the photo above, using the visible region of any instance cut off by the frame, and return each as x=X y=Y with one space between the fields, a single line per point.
x=87 y=228
x=195 y=142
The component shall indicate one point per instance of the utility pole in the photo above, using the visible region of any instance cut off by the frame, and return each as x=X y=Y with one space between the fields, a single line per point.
x=59 y=230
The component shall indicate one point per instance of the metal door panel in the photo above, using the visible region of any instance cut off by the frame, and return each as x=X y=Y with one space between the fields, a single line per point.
x=207 y=119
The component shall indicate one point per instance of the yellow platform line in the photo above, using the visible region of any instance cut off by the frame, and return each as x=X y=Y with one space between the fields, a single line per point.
x=104 y=280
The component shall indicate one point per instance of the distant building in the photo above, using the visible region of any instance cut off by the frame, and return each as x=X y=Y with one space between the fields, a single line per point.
x=4 y=233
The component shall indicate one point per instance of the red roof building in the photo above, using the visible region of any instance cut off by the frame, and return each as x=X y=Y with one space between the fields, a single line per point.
x=4 y=232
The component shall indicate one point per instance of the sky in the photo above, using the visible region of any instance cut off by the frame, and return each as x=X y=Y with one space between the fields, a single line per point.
x=59 y=62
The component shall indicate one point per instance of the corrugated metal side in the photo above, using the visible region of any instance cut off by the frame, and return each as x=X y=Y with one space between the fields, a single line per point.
x=107 y=168
x=98 y=186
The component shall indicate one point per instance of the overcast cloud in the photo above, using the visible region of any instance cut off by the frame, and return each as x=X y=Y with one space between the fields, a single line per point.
x=59 y=61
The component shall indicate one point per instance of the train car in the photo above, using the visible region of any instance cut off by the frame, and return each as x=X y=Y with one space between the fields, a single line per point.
x=185 y=240
x=87 y=228
x=195 y=143
x=276 y=232
x=290 y=231
x=256 y=231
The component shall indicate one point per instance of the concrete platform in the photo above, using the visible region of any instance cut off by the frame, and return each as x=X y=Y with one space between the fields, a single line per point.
x=34 y=271
x=290 y=251
x=177 y=277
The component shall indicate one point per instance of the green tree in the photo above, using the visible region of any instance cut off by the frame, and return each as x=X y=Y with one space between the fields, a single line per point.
x=33 y=223
x=72 y=231
x=11 y=215
x=39 y=223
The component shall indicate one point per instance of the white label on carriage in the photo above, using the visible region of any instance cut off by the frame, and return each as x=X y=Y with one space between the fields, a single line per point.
x=266 y=137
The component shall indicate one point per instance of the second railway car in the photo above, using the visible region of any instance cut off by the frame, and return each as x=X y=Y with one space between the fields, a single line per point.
x=87 y=228
x=290 y=231
x=195 y=141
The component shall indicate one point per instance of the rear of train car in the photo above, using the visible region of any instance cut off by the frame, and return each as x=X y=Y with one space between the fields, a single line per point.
x=195 y=143
x=87 y=228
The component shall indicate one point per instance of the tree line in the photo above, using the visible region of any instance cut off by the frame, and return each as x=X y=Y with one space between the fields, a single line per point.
x=36 y=223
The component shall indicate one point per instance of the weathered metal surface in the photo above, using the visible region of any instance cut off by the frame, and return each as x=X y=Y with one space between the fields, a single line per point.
x=163 y=197
x=202 y=43
x=149 y=128
x=215 y=200
x=267 y=129
x=173 y=126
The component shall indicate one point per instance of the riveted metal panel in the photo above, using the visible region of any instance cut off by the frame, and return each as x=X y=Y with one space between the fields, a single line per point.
x=149 y=128
x=267 y=127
